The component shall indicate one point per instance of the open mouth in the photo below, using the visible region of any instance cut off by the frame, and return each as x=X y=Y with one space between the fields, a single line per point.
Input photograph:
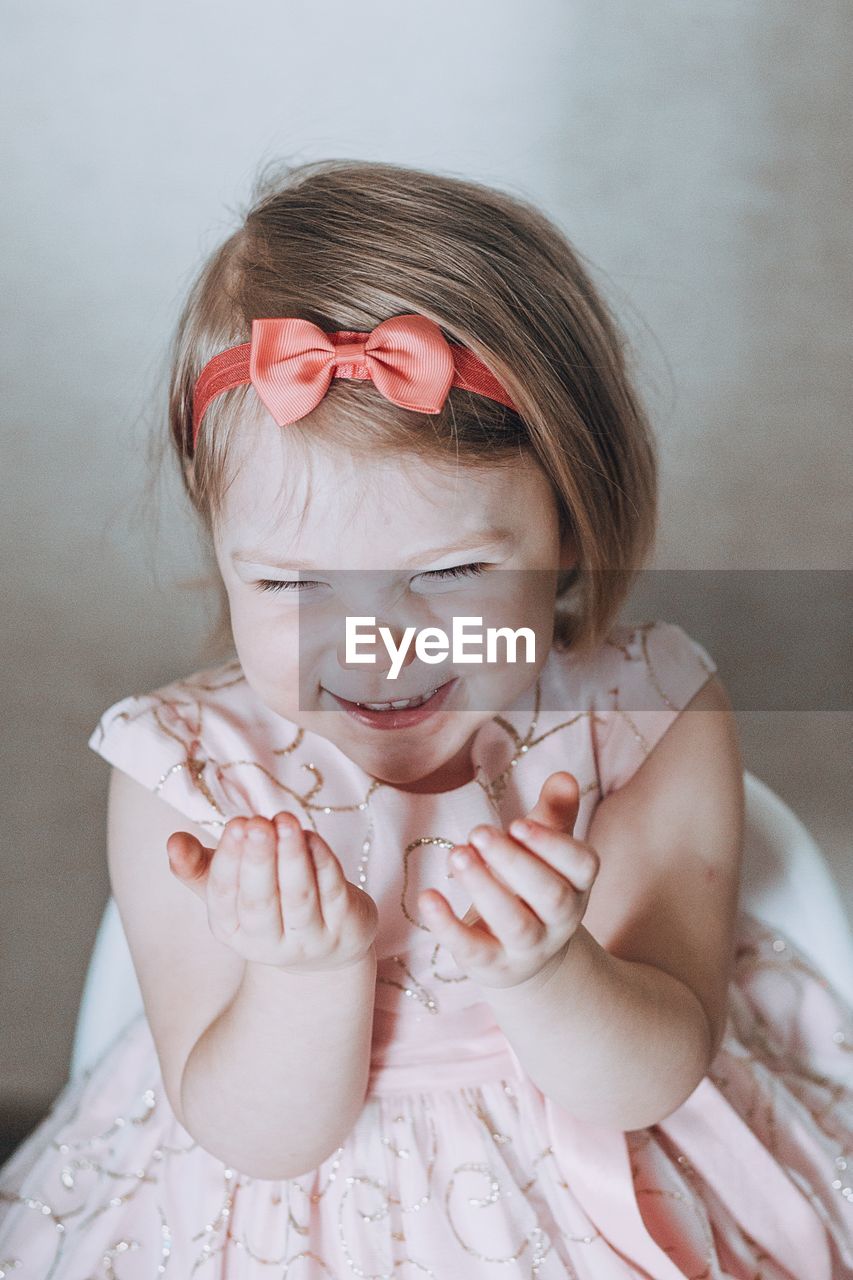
x=398 y=713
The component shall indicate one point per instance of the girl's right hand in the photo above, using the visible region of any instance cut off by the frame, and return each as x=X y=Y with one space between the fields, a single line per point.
x=281 y=899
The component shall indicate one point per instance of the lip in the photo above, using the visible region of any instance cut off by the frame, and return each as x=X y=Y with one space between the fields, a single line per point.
x=402 y=717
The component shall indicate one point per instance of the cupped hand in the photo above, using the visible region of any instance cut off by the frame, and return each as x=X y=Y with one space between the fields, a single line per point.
x=530 y=887
x=276 y=894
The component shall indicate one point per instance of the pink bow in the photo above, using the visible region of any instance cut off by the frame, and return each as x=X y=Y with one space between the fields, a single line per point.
x=292 y=362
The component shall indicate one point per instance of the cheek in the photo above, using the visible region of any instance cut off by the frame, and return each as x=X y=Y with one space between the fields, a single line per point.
x=531 y=601
x=263 y=630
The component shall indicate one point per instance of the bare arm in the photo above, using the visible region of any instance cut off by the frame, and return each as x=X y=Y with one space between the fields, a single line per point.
x=277 y=1080
x=644 y=982
x=264 y=1066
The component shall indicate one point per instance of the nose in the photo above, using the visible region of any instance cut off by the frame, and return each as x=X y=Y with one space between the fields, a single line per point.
x=372 y=643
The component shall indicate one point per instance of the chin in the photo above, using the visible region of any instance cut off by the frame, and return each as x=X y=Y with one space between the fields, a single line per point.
x=385 y=771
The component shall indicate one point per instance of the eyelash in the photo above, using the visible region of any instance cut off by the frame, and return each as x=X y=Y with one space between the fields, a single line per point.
x=457 y=571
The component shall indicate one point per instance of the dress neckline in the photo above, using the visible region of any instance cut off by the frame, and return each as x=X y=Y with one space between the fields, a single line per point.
x=495 y=746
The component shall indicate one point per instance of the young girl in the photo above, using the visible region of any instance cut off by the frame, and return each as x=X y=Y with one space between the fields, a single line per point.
x=461 y=986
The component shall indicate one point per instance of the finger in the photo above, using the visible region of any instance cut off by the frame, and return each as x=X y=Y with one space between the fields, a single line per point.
x=470 y=944
x=558 y=803
x=258 y=908
x=506 y=915
x=189 y=859
x=299 y=897
x=546 y=890
x=223 y=879
x=572 y=858
x=331 y=882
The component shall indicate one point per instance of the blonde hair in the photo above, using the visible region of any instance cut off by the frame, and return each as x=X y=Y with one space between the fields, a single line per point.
x=348 y=243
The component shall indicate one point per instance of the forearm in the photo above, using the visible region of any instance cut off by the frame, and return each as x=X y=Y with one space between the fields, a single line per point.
x=277 y=1080
x=614 y=1041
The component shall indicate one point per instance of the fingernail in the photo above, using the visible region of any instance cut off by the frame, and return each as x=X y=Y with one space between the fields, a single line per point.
x=460 y=858
x=519 y=827
x=257 y=835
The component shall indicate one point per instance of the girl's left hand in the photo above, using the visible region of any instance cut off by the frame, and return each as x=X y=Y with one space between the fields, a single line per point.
x=530 y=887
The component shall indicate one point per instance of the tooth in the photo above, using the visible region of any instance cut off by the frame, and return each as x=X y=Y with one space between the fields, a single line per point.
x=390 y=706
x=396 y=706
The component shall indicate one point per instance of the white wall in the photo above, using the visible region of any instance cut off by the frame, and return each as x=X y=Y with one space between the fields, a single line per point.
x=698 y=154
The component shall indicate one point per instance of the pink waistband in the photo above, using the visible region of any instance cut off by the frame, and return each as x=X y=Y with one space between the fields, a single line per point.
x=468 y=1047
x=415 y=1077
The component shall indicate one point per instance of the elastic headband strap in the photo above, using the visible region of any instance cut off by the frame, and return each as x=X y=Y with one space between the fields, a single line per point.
x=291 y=362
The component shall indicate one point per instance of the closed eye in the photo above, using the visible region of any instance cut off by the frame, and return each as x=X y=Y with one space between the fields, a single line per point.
x=455 y=571
x=275 y=584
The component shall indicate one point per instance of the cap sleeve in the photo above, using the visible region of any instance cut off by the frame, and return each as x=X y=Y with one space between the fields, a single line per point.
x=650 y=672
x=179 y=741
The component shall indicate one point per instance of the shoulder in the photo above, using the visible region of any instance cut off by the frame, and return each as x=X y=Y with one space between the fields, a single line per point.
x=654 y=662
x=194 y=740
x=651 y=664
x=637 y=683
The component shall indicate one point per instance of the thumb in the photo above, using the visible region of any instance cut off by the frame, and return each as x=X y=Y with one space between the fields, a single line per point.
x=558 y=803
x=189 y=860
x=557 y=807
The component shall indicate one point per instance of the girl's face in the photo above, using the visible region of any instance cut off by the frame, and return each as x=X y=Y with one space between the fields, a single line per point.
x=376 y=540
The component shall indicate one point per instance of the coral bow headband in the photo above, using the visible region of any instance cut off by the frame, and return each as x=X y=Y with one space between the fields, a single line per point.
x=291 y=363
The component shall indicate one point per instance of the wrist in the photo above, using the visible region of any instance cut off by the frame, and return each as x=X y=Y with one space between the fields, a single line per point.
x=574 y=961
x=264 y=974
x=362 y=960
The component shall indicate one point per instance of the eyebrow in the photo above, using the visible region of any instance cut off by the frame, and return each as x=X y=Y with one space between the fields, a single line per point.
x=483 y=538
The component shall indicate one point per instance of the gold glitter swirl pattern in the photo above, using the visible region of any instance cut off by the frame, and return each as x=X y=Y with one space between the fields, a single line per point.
x=444 y=1179
x=421 y=842
x=464 y=1168
x=415 y=991
x=522 y=745
x=639 y=676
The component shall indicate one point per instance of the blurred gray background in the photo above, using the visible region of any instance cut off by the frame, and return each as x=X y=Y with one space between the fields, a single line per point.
x=699 y=155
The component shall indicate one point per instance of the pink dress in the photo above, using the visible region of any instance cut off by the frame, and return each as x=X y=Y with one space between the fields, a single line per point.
x=457 y=1165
